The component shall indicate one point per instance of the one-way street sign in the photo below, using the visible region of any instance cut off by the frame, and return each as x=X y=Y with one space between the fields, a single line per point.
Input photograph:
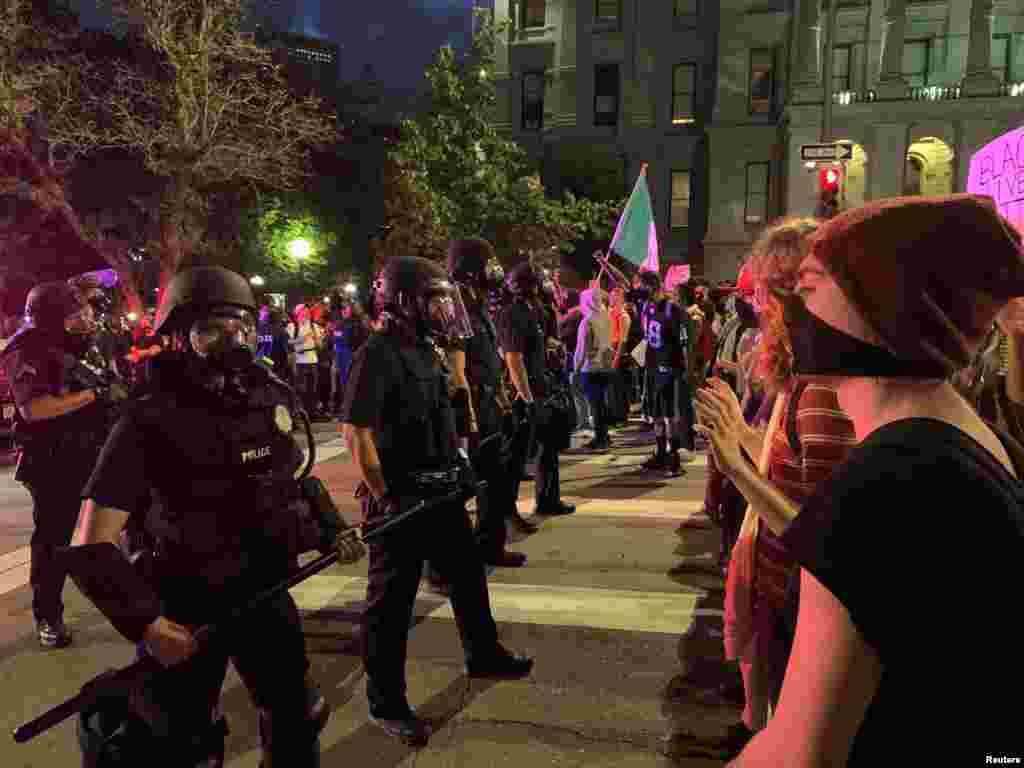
x=827 y=152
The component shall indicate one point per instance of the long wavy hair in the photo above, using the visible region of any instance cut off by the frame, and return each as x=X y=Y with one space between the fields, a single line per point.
x=774 y=261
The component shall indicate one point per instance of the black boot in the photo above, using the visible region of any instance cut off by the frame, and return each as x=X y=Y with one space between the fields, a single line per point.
x=404 y=726
x=500 y=664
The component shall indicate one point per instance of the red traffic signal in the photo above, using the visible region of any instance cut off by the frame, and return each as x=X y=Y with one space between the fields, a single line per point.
x=828 y=179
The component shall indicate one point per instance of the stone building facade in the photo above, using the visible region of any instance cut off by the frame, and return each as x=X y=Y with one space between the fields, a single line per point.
x=915 y=87
x=595 y=88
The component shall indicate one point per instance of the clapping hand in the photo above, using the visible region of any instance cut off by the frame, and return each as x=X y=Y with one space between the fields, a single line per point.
x=722 y=422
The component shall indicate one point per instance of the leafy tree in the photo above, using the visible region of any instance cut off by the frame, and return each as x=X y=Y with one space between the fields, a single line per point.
x=206 y=108
x=411 y=211
x=269 y=230
x=476 y=181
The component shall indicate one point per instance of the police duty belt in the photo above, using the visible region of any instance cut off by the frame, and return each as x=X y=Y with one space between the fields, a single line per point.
x=121 y=683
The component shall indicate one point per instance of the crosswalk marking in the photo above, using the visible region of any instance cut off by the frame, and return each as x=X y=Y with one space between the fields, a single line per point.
x=548 y=605
x=14 y=570
x=676 y=511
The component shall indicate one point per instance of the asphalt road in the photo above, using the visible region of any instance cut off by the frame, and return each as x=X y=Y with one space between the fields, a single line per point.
x=622 y=612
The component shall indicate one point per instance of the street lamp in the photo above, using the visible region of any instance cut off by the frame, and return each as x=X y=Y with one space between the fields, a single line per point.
x=256 y=280
x=351 y=289
x=300 y=248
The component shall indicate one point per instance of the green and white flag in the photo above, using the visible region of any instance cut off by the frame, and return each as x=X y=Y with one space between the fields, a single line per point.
x=636 y=238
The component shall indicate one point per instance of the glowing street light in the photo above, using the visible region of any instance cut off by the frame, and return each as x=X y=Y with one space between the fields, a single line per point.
x=300 y=248
x=351 y=289
x=131 y=317
x=257 y=280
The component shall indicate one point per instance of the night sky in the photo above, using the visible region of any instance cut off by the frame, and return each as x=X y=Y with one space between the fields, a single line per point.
x=397 y=37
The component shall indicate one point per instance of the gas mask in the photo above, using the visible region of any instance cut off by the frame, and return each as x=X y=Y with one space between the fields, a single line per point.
x=221 y=339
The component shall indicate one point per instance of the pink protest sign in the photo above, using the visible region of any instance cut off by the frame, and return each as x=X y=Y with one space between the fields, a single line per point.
x=677 y=275
x=997 y=170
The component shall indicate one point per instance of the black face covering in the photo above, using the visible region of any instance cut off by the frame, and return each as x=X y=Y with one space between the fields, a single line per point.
x=821 y=350
x=746 y=313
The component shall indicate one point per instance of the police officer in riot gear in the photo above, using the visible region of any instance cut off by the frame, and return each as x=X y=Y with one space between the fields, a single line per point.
x=60 y=423
x=399 y=422
x=523 y=336
x=212 y=446
x=467 y=264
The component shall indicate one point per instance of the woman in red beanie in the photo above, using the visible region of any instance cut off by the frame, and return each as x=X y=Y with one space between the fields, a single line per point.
x=884 y=669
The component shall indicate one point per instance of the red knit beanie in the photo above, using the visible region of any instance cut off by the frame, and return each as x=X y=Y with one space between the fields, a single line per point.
x=928 y=274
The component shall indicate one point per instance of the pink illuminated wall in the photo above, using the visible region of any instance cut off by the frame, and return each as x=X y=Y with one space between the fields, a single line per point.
x=997 y=170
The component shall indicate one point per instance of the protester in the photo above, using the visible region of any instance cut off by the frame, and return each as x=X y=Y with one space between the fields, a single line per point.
x=885 y=312
x=593 y=361
x=304 y=344
x=349 y=333
x=620 y=383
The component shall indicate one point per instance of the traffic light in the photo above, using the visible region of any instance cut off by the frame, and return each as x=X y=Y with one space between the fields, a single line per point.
x=829 y=181
x=829 y=178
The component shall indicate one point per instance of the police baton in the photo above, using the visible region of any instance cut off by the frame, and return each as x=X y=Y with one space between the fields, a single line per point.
x=122 y=682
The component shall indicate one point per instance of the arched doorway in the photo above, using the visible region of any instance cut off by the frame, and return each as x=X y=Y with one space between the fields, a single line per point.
x=854 y=177
x=929 y=168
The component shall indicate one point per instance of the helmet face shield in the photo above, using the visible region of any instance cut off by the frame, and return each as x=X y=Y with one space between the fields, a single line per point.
x=446 y=312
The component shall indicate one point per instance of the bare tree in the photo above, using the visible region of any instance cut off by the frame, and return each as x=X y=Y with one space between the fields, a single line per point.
x=29 y=57
x=204 y=106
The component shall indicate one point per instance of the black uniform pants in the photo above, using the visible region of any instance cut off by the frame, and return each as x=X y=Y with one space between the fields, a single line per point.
x=306 y=383
x=55 y=508
x=499 y=499
x=268 y=651
x=548 y=493
x=443 y=536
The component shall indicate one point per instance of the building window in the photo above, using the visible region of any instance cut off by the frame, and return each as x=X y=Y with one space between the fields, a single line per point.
x=1002 y=58
x=606 y=94
x=755 y=209
x=684 y=79
x=762 y=81
x=532 y=13
x=607 y=12
x=917 y=62
x=842 y=56
x=679 y=213
x=533 y=101
x=685 y=8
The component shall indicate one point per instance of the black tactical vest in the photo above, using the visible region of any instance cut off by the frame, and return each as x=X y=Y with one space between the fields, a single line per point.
x=483 y=366
x=227 y=491
x=420 y=434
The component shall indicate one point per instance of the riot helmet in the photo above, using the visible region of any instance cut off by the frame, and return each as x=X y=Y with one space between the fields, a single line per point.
x=523 y=281
x=417 y=292
x=214 y=308
x=57 y=307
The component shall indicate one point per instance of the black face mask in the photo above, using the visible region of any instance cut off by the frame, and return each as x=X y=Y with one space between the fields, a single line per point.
x=821 y=350
x=746 y=313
